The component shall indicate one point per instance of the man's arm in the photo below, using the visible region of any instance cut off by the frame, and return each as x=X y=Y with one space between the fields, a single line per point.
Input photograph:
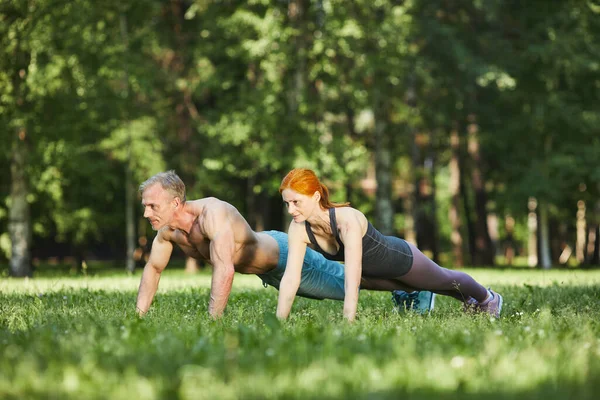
x=293 y=270
x=159 y=258
x=218 y=227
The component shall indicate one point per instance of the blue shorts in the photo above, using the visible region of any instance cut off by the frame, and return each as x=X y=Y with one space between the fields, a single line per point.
x=321 y=278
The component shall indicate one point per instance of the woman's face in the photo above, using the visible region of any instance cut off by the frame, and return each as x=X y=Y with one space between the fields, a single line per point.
x=300 y=206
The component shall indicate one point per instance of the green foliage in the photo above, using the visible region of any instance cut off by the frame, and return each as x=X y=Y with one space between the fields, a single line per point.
x=63 y=69
x=80 y=339
x=548 y=55
x=233 y=94
x=136 y=143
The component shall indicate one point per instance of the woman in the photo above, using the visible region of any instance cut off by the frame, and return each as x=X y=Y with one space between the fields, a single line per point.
x=343 y=233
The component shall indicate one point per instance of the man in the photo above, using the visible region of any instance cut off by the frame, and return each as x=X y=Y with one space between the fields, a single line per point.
x=212 y=230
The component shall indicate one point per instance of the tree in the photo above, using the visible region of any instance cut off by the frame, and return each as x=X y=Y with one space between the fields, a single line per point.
x=62 y=98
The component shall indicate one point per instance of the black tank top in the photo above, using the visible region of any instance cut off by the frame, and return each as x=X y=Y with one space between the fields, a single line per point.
x=339 y=256
x=383 y=256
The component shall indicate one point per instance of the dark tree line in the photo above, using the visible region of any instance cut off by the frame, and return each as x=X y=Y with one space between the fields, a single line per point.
x=469 y=127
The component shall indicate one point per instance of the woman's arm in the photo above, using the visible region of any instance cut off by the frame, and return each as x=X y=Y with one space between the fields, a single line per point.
x=293 y=270
x=351 y=235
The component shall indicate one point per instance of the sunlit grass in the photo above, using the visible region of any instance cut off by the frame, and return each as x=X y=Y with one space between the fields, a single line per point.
x=170 y=280
x=79 y=338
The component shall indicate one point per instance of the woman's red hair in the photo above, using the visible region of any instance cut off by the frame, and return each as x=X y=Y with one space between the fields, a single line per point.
x=305 y=181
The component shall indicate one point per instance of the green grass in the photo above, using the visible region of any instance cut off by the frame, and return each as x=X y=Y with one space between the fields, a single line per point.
x=78 y=338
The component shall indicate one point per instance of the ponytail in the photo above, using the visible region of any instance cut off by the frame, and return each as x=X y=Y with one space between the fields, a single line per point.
x=325 y=202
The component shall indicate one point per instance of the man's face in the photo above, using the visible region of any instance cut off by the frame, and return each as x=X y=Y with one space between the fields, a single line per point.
x=159 y=206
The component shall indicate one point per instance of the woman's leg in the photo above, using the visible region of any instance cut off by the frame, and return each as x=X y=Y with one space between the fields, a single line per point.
x=384 y=284
x=427 y=275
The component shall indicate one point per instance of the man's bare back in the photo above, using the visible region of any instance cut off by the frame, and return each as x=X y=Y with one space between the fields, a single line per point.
x=253 y=253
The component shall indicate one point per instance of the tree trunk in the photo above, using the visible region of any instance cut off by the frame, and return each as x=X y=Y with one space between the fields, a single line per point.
x=410 y=235
x=509 y=240
x=384 y=209
x=129 y=195
x=466 y=204
x=410 y=200
x=425 y=202
x=493 y=224
x=592 y=246
x=296 y=11
x=545 y=257
x=580 y=235
x=176 y=64
x=595 y=260
x=454 y=216
x=19 y=218
x=129 y=217
x=532 y=242
x=483 y=250
x=560 y=251
x=434 y=222
x=411 y=203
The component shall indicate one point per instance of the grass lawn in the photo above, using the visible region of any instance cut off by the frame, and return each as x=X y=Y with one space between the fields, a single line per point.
x=78 y=338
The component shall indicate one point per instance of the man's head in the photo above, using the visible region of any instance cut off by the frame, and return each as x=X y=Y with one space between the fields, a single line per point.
x=162 y=195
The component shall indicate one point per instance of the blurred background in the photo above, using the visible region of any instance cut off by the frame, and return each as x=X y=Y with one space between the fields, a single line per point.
x=468 y=127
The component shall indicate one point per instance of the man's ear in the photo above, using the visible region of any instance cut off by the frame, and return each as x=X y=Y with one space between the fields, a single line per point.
x=176 y=202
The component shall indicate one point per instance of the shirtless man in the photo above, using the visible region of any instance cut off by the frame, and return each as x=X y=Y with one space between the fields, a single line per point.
x=214 y=231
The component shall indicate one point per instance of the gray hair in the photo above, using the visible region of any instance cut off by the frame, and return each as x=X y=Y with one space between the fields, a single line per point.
x=169 y=181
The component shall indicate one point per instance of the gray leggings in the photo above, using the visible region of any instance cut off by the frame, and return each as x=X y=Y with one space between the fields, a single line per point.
x=427 y=275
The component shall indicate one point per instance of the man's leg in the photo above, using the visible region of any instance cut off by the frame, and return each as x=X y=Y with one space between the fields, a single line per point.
x=321 y=278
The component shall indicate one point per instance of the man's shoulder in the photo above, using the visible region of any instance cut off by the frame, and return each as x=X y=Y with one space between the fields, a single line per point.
x=165 y=234
x=213 y=213
x=209 y=203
